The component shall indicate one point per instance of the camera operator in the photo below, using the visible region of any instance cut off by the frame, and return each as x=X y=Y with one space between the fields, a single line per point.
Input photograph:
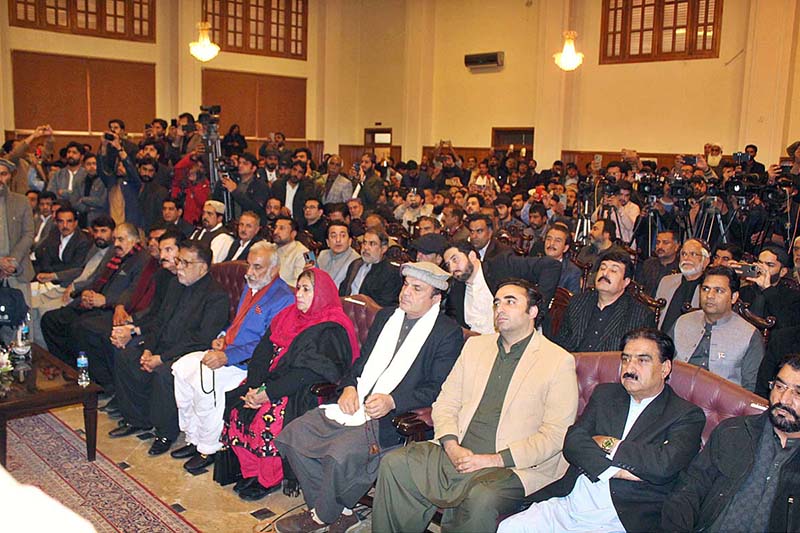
x=186 y=136
x=247 y=190
x=117 y=127
x=617 y=206
x=771 y=293
x=190 y=183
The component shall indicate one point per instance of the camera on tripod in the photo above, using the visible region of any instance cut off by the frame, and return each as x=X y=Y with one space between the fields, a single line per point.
x=680 y=189
x=651 y=187
x=713 y=188
x=610 y=186
x=741 y=158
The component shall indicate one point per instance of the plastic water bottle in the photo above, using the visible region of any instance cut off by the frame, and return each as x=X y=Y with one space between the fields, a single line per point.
x=83 y=370
x=22 y=343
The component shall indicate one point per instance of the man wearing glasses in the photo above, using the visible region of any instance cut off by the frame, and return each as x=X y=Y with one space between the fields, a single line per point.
x=193 y=311
x=745 y=479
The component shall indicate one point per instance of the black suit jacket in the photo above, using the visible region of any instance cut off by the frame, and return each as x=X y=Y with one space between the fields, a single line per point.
x=304 y=192
x=202 y=312
x=423 y=381
x=543 y=271
x=382 y=283
x=235 y=246
x=182 y=226
x=496 y=248
x=629 y=314
x=74 y=255
x=121 y=284
x=662 y=442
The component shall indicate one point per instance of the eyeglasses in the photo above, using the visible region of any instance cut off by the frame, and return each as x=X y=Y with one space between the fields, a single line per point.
x=182 y=263
x=782 y=387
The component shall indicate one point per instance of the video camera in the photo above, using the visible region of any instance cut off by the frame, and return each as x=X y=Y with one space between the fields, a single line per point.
x=610 y=186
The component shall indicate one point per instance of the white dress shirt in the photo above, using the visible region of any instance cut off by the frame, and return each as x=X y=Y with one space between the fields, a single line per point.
x=292 y=261
x=291 y=190
x=63 y=244
x=242 y=246
x=478 y=301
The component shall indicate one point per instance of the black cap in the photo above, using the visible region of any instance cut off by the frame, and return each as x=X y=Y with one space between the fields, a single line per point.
x=411 y=165
x=432 y=243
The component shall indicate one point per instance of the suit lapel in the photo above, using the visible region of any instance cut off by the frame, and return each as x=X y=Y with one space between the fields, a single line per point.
x=651 y=414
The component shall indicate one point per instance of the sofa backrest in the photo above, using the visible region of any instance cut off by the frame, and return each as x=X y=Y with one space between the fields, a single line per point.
x=230 y=274
x=362 y=310
x=716 y=396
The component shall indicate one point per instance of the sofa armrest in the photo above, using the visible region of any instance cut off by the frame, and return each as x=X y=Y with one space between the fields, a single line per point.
x=324 y=390
x=414 y=424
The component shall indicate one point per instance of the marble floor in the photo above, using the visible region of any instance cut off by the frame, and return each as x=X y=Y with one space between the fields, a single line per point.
x=206 y=505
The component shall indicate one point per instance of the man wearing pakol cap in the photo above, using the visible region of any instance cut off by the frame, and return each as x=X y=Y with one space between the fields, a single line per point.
x=212 y=233
x=16 y=237
x=430 y=248
x=499 y=423
x=335 y=450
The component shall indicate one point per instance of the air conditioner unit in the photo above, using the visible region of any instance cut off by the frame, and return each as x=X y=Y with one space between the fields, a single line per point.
x=485 y=60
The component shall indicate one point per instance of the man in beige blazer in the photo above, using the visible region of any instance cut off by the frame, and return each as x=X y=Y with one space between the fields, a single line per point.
x=499 y=425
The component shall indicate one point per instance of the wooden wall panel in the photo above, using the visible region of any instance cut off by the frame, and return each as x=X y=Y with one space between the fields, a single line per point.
x=80 y=94
x=581 y=157
x=236 y=92
x=124 y=90
x=49 y=89
x=259 y=103
x=282 y=105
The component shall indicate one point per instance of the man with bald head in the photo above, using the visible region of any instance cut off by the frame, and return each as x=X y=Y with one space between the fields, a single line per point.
x=335 y=450
x=224 y=363
x=108 y=286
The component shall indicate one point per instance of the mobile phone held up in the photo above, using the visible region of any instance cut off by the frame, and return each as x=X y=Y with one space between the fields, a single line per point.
x=745 y=270
x=690 y=160
x=310 y=257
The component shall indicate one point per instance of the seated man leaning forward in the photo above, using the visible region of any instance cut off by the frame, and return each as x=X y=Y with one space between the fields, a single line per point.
x=500 y=419
x=335 y=450
x=191 y=313
x=625 y=451
x=224 y=365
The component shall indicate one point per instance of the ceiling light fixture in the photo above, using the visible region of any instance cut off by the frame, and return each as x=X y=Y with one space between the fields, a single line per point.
x=568 y=59
x=203 y=49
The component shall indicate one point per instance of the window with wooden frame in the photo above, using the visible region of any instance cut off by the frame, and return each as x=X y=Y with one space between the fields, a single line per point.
x=133 y=20
x=262 y=27
x=634 y=31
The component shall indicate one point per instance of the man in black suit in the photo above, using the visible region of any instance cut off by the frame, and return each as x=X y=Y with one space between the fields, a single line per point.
x=107 y=287
x=193 y=312
x=481 y=235
x=62 y=250
x=596 y=320
x=298 y=187
x=247 y=236
x=474 y=283
x=372 y=275
x=172 y=214
x=335 y=450
x=625 y=451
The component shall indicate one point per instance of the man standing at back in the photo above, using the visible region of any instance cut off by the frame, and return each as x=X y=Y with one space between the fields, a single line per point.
x=16 y=237
x=499 y=425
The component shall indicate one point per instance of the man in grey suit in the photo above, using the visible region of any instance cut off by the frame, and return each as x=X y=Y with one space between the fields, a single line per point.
x=336 y=187
x=67 y=184
x=16 y=236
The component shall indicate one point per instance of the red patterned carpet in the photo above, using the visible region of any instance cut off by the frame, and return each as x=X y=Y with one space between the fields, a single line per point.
x=42 y=451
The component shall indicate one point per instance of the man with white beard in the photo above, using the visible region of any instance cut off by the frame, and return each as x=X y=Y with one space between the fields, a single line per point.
x=677 y=289
x=224 y=366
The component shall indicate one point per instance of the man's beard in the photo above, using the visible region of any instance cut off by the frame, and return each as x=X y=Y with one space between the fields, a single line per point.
x=101 y=243
x=714 y=160
x=271 y=168
x=256 y=284
x=437 y=209
x=784 y=424
x=71 y=161
x=688 y=271
x=464 y=276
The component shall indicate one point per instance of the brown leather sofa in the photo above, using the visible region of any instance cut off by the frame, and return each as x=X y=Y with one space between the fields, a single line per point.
x=230 y=275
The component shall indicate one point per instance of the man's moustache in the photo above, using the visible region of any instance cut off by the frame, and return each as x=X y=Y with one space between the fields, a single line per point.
x=603 y=278
x=785 y=408
x=630 y=375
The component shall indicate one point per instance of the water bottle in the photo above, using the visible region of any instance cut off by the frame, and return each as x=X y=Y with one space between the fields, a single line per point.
x=83 y=370
x=22 y=342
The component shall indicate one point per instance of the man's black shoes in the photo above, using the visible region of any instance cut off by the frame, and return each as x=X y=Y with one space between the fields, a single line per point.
x=160 y=445
x=199 y=462
x=190 y=450
x=124 y=429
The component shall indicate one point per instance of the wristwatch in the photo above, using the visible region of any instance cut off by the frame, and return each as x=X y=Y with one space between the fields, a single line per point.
x=607 y=444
